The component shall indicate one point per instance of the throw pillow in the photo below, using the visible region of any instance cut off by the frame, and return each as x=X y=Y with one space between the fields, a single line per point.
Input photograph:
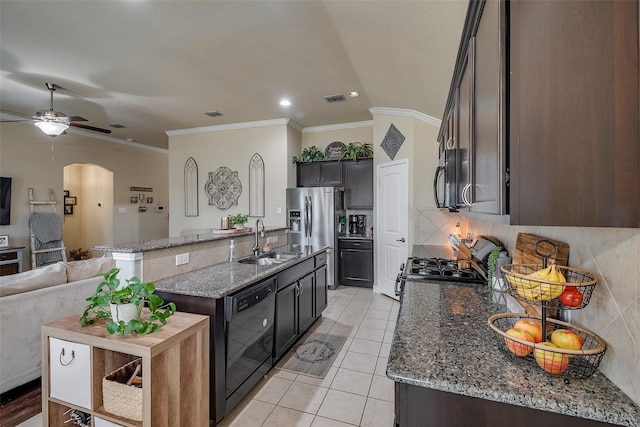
x=79 y=270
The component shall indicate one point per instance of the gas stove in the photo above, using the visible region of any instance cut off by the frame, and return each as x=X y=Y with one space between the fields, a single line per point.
x=434 y=270
x=423 y=269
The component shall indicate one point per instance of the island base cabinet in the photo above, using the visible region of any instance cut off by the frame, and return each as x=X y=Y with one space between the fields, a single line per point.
x=420 y=406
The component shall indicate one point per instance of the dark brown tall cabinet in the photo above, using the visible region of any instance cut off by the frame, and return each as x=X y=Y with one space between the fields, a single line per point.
x=550 y=130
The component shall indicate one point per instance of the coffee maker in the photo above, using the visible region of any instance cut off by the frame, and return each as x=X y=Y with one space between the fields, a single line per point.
x=357 y=225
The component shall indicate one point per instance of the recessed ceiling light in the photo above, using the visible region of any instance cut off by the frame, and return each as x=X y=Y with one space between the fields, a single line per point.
x=285 y=102
x=354 y=93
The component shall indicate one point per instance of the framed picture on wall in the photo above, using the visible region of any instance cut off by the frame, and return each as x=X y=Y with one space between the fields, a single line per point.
x=68 y=209
x=149 y=199
x=70 y=200
x=134 y=199
x=66 y=193
x=4 y=241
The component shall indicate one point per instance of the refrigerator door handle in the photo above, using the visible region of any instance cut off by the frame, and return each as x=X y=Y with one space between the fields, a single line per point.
x=310 y=216
x=306 y=216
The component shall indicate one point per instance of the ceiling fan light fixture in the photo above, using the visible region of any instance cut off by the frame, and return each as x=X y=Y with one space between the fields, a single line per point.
x=51 y=128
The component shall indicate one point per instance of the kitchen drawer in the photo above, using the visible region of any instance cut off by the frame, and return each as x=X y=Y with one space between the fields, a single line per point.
x=321 y=259
x=363 y=244
x=70 y=372
x=295 y=272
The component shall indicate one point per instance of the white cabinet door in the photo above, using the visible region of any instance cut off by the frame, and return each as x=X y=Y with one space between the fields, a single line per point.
x=70 y=372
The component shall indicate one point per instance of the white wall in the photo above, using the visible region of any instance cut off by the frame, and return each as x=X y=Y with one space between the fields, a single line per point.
x=232 y=148
x=26 y=156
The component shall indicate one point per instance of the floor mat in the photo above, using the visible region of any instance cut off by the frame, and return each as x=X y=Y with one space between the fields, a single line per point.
x=315 y=355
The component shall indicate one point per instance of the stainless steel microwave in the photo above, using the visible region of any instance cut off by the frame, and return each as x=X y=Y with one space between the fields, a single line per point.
x=444 y=181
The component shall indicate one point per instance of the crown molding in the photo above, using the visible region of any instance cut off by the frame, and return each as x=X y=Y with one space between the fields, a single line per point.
x=406 y=113
x=234 y=126
x=339 y=126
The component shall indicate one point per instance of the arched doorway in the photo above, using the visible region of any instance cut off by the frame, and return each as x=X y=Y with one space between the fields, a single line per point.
x=90 y=221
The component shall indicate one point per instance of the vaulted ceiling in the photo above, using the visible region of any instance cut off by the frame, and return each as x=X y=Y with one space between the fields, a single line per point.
x=154 y=66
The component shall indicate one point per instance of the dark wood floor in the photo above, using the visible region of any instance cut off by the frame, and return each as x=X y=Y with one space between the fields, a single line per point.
x=19 y=405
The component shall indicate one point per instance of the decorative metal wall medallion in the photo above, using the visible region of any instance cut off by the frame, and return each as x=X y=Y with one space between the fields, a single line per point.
x=256 y=186
x=223 y=188
x=190 y=187
x=392 y=141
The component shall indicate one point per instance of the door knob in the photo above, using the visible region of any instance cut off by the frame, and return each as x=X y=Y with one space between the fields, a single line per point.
x=400 y=240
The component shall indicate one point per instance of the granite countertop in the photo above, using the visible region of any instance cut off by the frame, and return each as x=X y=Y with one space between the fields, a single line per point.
x=443 y=341
x=171 y=242
x=220 y=280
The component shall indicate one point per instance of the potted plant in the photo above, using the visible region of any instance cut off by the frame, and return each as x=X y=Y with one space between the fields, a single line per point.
x=492 y=262
x=239 y=220
x=123 y=303
x=309 y=154
x=358 y=150
x=79 y=254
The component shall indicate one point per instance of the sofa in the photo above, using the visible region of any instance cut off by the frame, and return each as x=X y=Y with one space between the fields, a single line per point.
x=33 y=298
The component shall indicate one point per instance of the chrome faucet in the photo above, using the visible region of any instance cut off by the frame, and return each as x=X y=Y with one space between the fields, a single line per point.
x=256 y=247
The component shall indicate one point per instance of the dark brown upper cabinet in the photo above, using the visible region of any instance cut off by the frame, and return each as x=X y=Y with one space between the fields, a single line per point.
x=553 y=114
x=320 y=174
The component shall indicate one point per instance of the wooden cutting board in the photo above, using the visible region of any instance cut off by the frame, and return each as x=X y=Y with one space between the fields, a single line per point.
x=525 y=252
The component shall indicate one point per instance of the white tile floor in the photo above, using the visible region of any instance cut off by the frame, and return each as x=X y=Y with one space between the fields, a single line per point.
x=355 y=391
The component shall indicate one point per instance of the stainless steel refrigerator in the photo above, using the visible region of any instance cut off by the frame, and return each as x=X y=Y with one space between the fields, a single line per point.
x=314 y=218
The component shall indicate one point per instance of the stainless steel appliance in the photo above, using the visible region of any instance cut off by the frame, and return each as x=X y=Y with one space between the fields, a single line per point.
x=418 y=269
x=357 y=225
x=314 y=216
x=445 y=185
x=249 y=318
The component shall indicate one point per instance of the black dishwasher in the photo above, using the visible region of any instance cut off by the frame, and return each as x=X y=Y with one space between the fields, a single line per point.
x=249 y=317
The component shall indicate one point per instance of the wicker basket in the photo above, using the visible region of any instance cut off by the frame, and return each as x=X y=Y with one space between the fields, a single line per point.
x=119 y=398
x=533 y=290
x=574 y=363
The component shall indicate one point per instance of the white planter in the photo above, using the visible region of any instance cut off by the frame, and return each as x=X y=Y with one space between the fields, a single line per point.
x=124 y=312
x=498 y=284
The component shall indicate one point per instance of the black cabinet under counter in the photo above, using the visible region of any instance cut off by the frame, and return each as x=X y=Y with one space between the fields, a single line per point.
x=355 y=266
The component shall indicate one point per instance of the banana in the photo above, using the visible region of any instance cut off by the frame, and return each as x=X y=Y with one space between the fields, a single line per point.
x=535 y=290
x=550 y=291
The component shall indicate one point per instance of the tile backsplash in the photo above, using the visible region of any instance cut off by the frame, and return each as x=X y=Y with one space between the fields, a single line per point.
x=612 y=254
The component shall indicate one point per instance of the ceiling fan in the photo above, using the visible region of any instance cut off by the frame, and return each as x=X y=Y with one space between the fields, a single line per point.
x=54 y=123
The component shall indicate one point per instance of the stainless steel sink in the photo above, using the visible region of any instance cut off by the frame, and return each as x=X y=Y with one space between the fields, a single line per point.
x=283 y=256
x=261 y=261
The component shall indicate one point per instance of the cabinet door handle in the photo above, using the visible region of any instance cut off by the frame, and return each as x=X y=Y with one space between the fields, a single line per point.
x=400 y=240
x=465 y=199
x=297 y=289
x=61 y=358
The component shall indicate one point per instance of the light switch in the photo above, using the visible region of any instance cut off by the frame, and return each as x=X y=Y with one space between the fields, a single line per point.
x=122 y=210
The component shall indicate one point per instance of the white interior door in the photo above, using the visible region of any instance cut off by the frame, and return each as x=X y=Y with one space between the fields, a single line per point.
x=393 y=223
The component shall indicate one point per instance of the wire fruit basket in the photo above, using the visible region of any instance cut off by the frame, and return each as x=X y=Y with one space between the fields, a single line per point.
x=554 y=360
x=572 y=295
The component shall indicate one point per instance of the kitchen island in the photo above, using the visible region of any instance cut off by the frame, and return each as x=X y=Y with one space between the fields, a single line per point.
x=283 y=297
x=448 y=370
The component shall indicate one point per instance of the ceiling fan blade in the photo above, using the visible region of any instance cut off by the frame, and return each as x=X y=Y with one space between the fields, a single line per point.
x=87 y=127
x=74 y=119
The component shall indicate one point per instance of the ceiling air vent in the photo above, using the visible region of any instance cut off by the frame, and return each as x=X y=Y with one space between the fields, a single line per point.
x=117 y=126
x=335 y=98
x=212 y=113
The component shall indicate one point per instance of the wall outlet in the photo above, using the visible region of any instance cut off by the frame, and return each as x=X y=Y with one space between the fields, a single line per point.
x=278 y=210
x=274 y=239
x=182 y=259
